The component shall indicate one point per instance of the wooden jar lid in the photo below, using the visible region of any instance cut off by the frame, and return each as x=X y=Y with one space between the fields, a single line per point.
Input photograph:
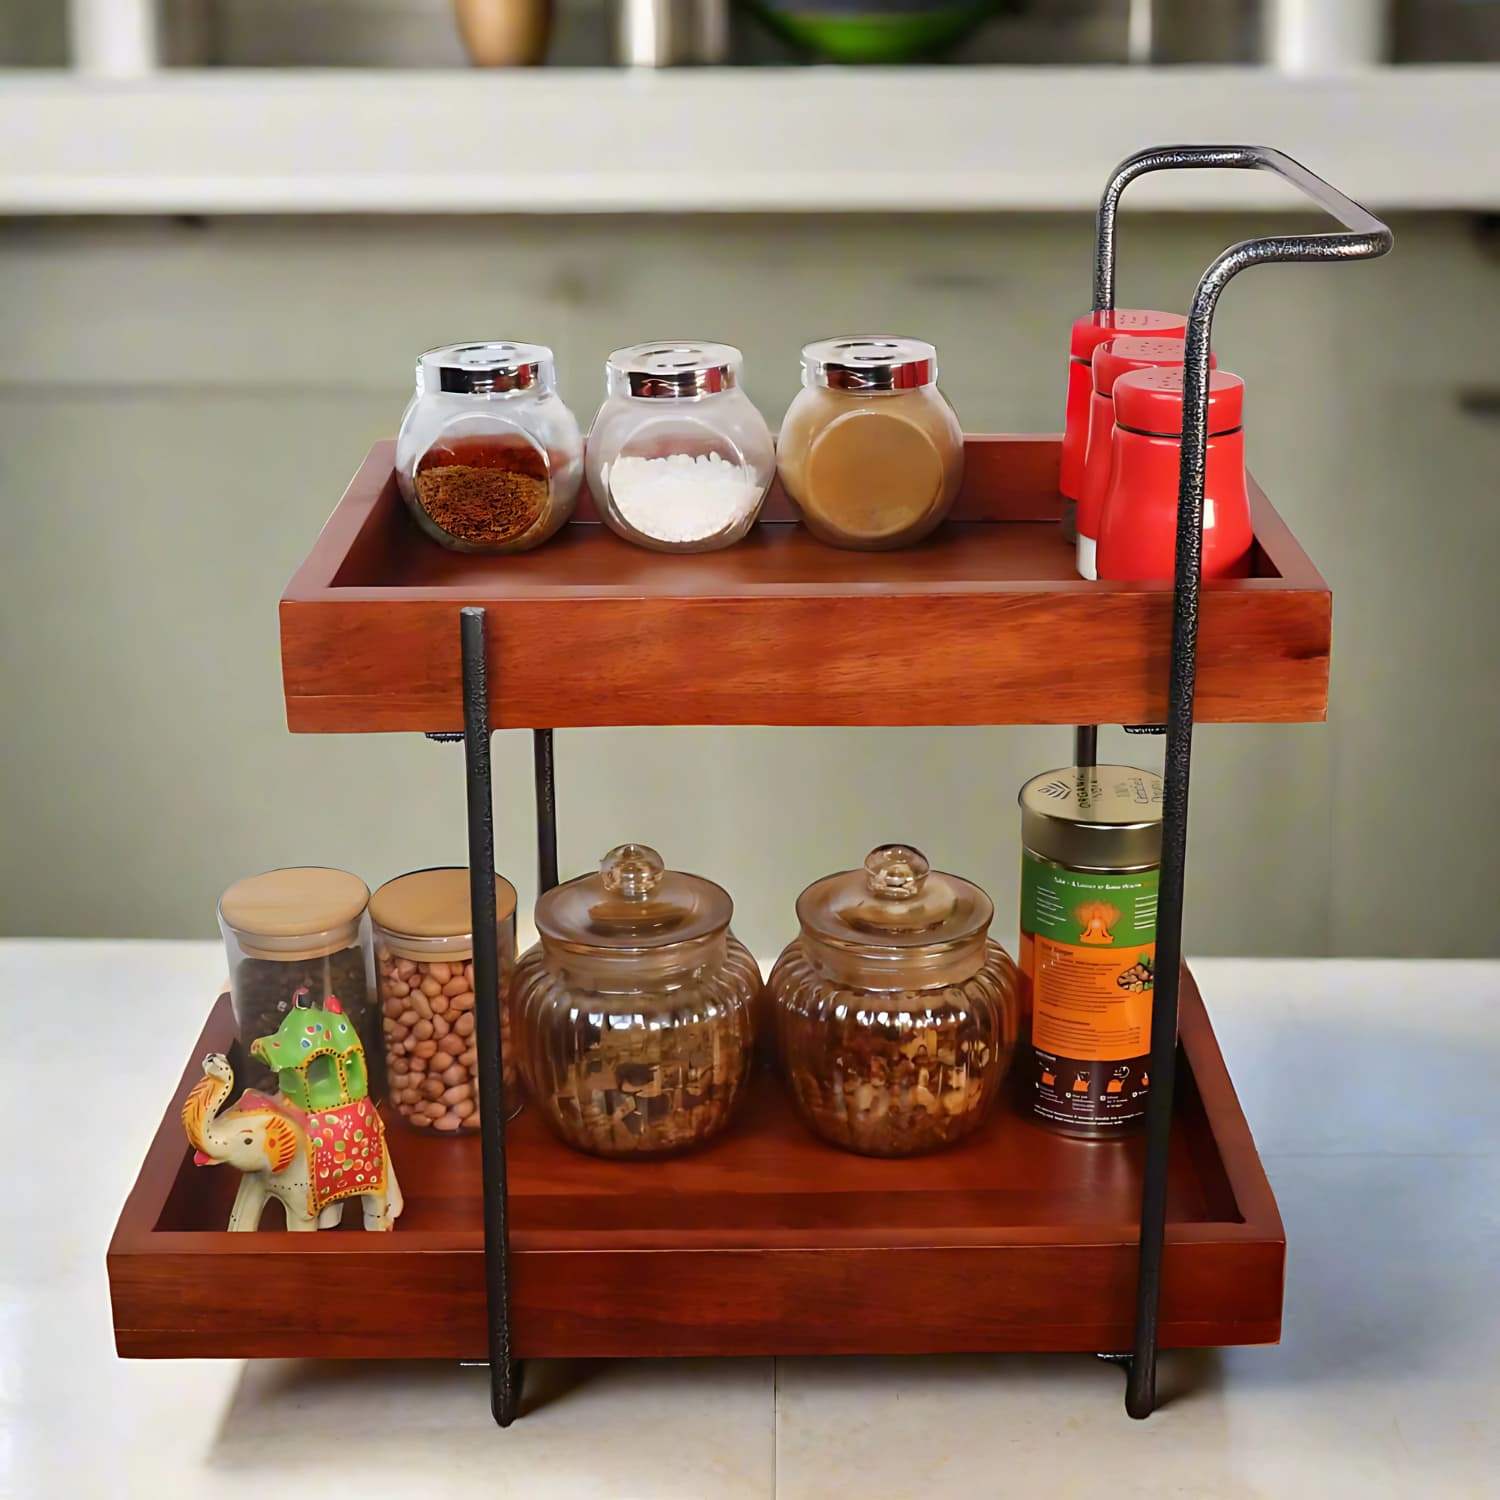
x=304 y=911
x=431 y=906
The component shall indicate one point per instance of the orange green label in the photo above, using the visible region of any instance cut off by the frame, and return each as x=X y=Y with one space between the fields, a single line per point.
x=1088 y=954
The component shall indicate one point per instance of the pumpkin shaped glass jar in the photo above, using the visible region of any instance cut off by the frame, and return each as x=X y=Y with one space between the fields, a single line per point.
x=896 y=1015
x=634 y=1013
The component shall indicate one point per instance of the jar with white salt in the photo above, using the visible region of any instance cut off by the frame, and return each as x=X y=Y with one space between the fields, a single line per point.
x=678 y=458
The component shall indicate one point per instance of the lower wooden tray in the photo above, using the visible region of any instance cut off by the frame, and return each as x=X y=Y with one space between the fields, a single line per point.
x=766 y=1242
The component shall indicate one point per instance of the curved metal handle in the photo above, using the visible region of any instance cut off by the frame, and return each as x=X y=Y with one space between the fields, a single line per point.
x=1363 y=237
x=1366 y=236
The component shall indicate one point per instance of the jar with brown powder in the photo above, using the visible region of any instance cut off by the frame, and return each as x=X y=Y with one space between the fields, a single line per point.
x=870 y=450
x=489 y=459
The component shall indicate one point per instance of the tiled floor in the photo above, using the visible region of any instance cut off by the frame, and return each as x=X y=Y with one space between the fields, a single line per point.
x=1371 y=1089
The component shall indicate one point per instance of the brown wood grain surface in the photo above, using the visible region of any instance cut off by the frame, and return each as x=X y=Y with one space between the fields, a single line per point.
x=764 y=1242
x=986 y=622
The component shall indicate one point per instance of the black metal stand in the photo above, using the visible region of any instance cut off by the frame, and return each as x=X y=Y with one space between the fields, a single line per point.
x=505 y=1372
x=1365 y=237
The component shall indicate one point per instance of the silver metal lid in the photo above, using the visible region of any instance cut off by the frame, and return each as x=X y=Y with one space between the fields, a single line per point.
x=1099 y=818
x=493 y=368
x=869 y=362
x=673 y=369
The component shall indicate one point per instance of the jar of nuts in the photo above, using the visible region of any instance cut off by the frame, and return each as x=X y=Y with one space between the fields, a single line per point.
x=895 y=1013
x=634 y=1013
x=424 y=959
x=287 y=931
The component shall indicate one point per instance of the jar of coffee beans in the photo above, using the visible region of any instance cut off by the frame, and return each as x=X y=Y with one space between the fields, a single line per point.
x=424 y=956
x=294 y=930
x=489 y=459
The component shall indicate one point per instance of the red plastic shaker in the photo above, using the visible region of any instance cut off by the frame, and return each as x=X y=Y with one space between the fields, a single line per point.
x=1138 y=528
x=1089 y=332
x=1112 y=359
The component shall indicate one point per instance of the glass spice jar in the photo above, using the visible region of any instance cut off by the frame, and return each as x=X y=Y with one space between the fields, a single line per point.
x=290 y=932
x=678 y=457
x=424 y=959
x=870 y=450
x=634 y=1013
x=488 y=458
x=896 y=1015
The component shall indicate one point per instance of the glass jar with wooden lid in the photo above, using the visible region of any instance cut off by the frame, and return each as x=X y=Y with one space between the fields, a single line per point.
x=895 y=1012
x=290 y=932
x=424 y=959
x=635 y=1011
x=870 y=450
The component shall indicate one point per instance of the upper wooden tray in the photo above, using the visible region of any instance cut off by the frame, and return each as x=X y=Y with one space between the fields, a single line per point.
x=986 y=622
x=764 y=1242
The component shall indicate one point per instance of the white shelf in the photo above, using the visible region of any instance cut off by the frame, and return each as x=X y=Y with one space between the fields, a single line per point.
x=742 y=140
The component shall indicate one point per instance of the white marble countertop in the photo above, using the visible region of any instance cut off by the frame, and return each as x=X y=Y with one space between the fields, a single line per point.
x=1373 y=1089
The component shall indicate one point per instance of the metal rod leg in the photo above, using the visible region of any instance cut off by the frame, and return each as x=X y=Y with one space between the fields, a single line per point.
x=546 y=809
x=505 y=1372
x=1086 y=745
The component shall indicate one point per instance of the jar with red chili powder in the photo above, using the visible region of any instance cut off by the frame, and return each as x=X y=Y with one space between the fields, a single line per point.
x=489 y=458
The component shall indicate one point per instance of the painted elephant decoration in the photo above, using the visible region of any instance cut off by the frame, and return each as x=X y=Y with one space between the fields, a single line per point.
x=309 y=1146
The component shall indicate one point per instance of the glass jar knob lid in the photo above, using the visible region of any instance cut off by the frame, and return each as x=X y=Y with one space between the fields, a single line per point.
x=634 y=902
x=897 y=899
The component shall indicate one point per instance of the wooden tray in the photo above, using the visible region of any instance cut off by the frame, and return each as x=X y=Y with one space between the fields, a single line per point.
x=765 y=1242
x=986 y=622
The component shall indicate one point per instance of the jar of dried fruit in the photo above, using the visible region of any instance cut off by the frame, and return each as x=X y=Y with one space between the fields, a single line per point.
x=489 y=459
x=634 y=1012
x=424 y=957
x=896 y=1015
x=294 y=932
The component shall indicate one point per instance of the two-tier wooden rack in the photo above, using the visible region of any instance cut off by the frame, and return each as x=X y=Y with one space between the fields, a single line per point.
x=767 y=1242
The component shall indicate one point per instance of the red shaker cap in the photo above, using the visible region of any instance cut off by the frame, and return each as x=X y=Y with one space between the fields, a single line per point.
x=1093 y=329
x=1151 y=401
x=1117 y=356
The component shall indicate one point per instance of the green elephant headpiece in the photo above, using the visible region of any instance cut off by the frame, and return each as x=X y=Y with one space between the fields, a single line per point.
x=308 y=1033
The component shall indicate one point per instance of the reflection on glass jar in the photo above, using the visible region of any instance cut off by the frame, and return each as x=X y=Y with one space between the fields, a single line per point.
x=870 y=450
x=679 y=459
x=634 y=1012
x=896 y=1016
x=489 y=459
x=424 y=961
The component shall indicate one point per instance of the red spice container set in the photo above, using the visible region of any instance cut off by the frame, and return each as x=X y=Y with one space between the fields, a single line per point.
x=678 y=458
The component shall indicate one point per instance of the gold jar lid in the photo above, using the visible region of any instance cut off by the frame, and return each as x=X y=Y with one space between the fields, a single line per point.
x=306 y=911
x=1094 y=817
x=421 y=914
x=895 y=905
x=633 y=905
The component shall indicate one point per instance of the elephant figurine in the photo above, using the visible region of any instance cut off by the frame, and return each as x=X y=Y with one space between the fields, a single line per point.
x=313 y=1161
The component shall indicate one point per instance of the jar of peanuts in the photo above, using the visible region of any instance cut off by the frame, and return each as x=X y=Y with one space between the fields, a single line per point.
x=424 y=961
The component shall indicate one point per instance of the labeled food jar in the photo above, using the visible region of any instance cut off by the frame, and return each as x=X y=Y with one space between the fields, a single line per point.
x=1138 y=519
x=424 y=959
x=679 y=459
x=1090 y=859
x=896 y=1015
x=1087 y=334
x=870 y=450
x=488 y=458
x=290 y=934
x=634 y=1012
